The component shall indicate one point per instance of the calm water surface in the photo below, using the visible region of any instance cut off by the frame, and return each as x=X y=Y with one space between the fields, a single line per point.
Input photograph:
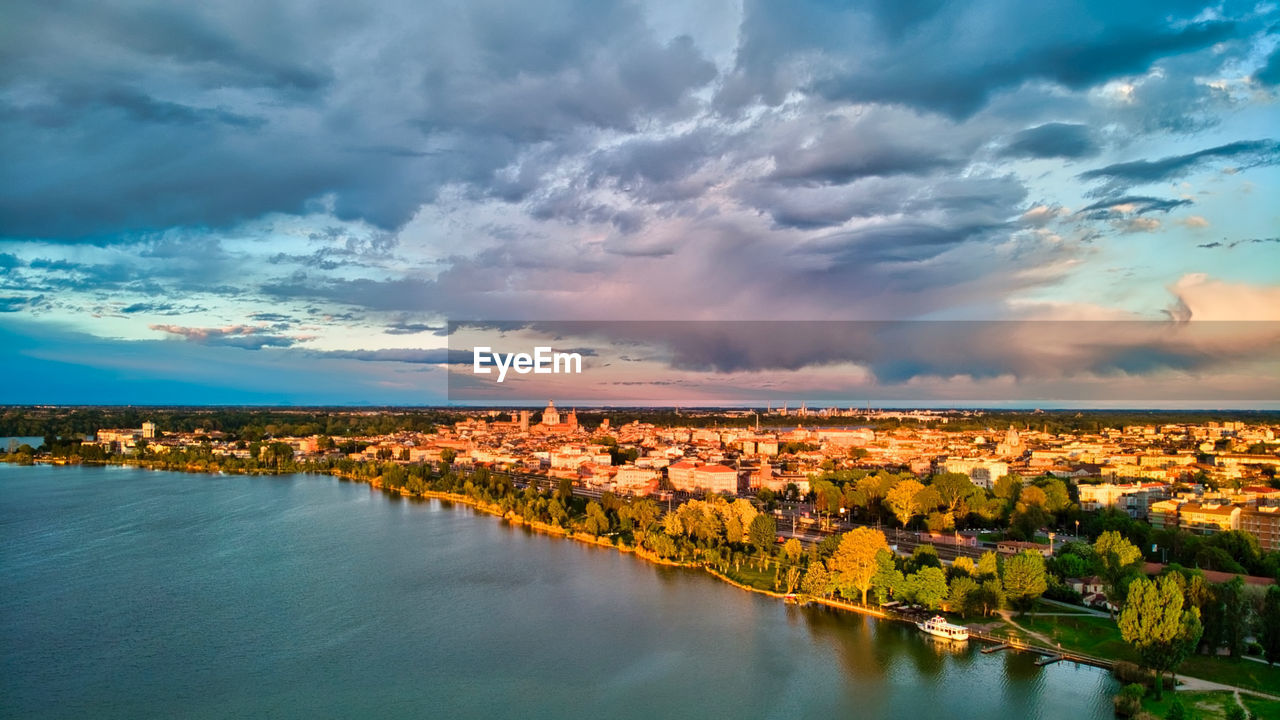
x=127 y=593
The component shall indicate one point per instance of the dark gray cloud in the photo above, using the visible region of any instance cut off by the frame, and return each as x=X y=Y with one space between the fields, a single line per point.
x=246 y=46
x=1243 y=154
x=1130 y=205
x=160 y=308
x=17 y=303
x=1236 y=243
x=250 y=99
x=413 y=356
x=808 y=207
x=882 y=142
x=436 y=356
x=927 y=63
x=1053 y=140
x=1269 y=73
x=990 y=201
x=897 y=242
x=134 y=105
x=385 y=295
x=272 y=317
x=659 y=169
x=900 y=352
x=414 y=328
x=392 y=165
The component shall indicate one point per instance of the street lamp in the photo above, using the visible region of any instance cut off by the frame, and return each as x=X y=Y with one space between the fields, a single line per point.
x=1077 y=530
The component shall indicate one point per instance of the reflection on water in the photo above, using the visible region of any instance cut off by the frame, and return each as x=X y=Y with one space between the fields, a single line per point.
x=131 y=594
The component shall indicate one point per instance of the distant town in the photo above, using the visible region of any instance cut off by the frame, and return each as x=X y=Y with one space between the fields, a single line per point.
x=1202 y=478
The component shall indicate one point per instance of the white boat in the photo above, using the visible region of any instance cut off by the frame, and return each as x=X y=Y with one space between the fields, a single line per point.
x=938 y=626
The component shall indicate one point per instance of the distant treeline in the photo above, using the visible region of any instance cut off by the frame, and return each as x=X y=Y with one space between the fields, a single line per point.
x=1054 y=421
x=255 y=423
x=242 y=423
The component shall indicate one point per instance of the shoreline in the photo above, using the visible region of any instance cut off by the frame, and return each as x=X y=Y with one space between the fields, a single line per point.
x=514 y=520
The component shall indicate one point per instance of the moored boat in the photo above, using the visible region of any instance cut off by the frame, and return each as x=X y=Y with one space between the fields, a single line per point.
x=938 y=626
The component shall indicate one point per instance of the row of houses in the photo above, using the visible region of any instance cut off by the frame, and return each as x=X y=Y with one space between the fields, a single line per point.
x=1208 y=517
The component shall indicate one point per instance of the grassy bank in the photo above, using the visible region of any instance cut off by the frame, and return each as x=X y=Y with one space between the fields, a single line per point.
x=1100 y=636
x=1211 y=705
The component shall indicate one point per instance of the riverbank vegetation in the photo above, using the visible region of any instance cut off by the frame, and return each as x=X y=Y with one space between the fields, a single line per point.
x=40 y=421
x=1209 y=705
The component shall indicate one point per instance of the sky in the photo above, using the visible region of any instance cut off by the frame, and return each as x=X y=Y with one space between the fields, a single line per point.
x=287 y=201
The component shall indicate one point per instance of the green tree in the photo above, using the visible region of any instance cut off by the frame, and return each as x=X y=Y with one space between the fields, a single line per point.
x=791 y=578
x=733 y=529
x=952 y=488
x=1235 y=613
x=817 y=580
x=645 y=512
x=767 y=498
x=792 y=550
x=903 y=500
x=873 y=489
x=939 y=521
x=557 y=513
x=1074 y=560
x=854 y=563
x=763 y=532
x=991 y=595
x=596 y=522
x=1057 y=498
x=1027 y=521
x=1271 y=625
x=962 y=594
x=1128 y=703
x=964 y=565
x=827 y=497
x=888 y=580
x=1008 y=487
x=1032 y=496
x=279 y=453
x=1024 y=579
x=929 y=587
x=925 y=556
x=1157 y=625
x=928 y=499
x=1119 y=560
x=988 y=565
x=661 y=544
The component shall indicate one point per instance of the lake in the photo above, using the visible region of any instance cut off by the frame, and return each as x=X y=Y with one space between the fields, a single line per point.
x=130 y=593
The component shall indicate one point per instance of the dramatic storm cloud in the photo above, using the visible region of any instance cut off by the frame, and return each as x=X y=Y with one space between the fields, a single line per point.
x=314 y=190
